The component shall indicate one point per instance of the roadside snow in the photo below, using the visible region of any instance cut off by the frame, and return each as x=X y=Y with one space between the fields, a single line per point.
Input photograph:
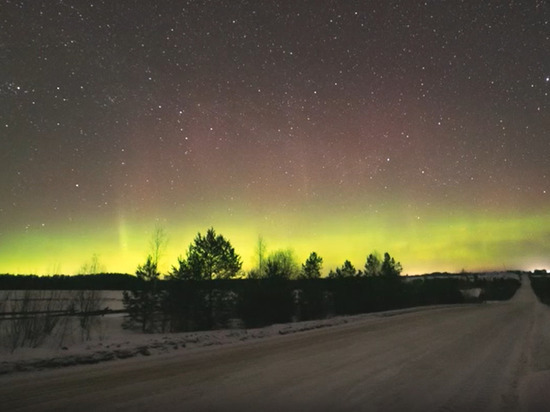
x=112 y=342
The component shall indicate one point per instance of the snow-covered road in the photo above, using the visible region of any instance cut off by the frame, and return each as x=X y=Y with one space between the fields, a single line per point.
x=493 y=356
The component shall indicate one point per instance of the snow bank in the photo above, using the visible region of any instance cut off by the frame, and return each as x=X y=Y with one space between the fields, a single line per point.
x=113 y=342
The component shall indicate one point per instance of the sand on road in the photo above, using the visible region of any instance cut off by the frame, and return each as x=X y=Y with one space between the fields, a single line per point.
x=486 y=357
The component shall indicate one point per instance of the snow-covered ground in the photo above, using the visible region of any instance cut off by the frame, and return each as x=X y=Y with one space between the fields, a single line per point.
x=471 y=357
x=110 y=341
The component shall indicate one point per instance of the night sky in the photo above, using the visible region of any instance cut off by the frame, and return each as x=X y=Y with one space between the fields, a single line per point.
x=341 y=127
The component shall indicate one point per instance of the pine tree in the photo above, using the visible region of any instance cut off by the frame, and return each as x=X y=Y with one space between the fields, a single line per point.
x=208 y=257
x=347 y=270
x=143 y=303
x=311 y=269
x=373 y=266
x=390 y=268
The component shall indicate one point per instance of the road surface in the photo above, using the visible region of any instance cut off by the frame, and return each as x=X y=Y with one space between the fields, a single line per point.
x=487 y=357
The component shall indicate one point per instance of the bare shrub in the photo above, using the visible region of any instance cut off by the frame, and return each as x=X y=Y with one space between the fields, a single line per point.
x=64 y=330
x=28 y=318
x=32 y=318
x=88 y=304
x=4 y=298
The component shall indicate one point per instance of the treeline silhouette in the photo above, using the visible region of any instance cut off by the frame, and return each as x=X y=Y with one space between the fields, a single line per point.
x=540 y=282
x=202 y=292
x=207 y=289
x=497 y=288
x=188 y=305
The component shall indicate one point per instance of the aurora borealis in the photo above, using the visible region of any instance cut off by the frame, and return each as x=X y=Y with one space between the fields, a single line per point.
x=341 y=127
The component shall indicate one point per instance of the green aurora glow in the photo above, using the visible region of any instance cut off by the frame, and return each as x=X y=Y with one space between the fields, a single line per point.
x=416 y=128
x=438 y=243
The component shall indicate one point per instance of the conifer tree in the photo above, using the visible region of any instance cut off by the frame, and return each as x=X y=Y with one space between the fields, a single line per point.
x=143 y=303
x=208 y=257
x=311 y=269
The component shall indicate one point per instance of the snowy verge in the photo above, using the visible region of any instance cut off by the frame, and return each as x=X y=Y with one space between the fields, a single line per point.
x=125 y=344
